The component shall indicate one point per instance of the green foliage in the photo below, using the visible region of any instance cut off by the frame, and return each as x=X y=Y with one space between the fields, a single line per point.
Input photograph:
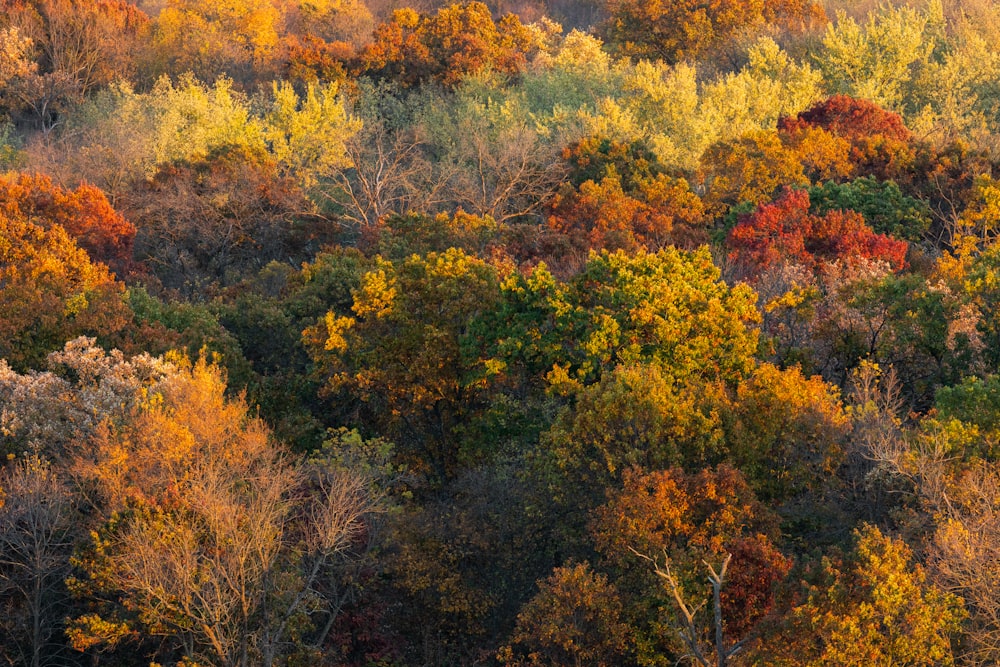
x=406 y=369
x=191 y=328
x=973 y=403
x=885 y=208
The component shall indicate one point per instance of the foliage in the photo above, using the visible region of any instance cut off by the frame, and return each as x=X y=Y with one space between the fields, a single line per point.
x=884 y=206
x=84 y=213
x=51 y=292
x=874 y=607
x=212 y=538
x=409 y=372
x=459 y=39
x=684 y=521
x=574 y=618
x=661 y=212
x=880 y=142
x=233 y=37
x=874 y=61
x=785 y=231
x=676 y=31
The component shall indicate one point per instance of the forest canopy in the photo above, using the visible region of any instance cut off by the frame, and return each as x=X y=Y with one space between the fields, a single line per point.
x=366 y=333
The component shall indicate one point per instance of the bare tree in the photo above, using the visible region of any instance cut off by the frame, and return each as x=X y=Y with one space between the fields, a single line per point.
x=389 y=174
x=688 y=630
x=505 y=172
x=38 y=526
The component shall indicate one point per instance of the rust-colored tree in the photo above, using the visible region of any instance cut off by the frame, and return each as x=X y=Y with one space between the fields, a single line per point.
x=785 y=231
x=662 y=211
x=680 y=523
x=85 y=213
x=880 y=144
x=459 y=39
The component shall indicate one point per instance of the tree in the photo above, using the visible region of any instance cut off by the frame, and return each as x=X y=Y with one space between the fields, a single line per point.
x=15 y=61
x=574 y=619
x=785 y=231
x=669 y=308
x=236 y=38
x=460 y=39
x=506 y=168
x=39 y=524
x=342 y=21
x=681 y=522
x=686 y=30
x=885 y=208
x=389 y=171
x=216 y=220
x=120 y=138
x=308 y=136
x=662 y=211
x=51 y=292
x=85 y=214
x=401 y=356
x=751 y=168
x=874 y=61
x=872 y=607
x=881 y=145
x=212 y=537
x=83 y=387
x=785 y=432
x=78 y=47
x=93 y=43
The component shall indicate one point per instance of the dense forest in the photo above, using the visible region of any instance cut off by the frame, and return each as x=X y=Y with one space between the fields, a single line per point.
x=527 y=333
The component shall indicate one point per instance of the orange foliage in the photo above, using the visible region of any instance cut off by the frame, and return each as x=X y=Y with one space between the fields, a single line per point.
x=662 y=211
x=92 y=41
x=51 y=292
x=881 y=145
x=460 y=39
x=692 y=517
x=574 y=619
x=311 y=60
x=824 y=156
x=85 y=214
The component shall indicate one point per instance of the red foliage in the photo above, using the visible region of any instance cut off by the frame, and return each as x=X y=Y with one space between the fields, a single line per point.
x=748 y=594
x=850 y=118
x=785 y=231
x=881 y=145
x=85 y=214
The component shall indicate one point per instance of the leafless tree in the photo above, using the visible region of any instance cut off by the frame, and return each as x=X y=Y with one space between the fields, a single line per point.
x=688 y=629
x=38 y=526
x=504 y=172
